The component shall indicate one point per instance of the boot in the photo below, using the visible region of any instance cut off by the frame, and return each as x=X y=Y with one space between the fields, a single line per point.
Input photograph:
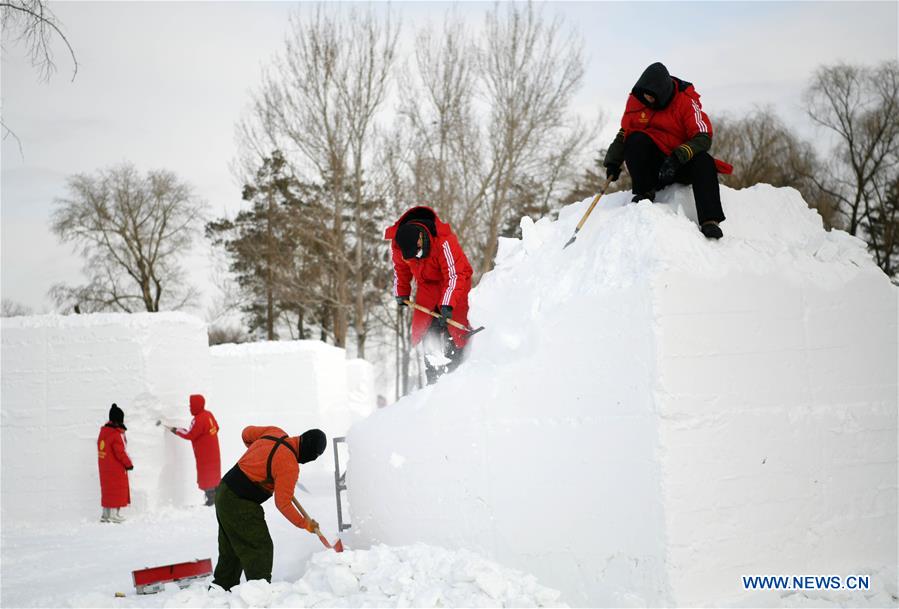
x=105 y=516
x=649 y=195
x=210 y=496
x=711 y=230
x=117 y=517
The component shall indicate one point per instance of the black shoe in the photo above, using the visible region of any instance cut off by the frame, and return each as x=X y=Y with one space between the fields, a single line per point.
x=651 y=195
x=711 y=230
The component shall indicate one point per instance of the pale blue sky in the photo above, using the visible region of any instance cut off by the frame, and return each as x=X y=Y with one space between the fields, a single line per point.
x=162 y=84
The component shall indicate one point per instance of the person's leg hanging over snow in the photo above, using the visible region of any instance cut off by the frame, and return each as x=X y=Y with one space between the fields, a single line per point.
x=701 y=173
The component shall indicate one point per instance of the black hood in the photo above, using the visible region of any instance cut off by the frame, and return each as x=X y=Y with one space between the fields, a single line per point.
x=656 y=81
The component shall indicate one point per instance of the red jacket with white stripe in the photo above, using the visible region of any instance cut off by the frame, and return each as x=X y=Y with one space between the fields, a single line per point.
x=681 y=120
x=443 y=277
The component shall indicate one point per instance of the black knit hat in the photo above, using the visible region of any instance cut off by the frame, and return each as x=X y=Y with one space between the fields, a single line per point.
x=407 y=239
x=116 y=415
x=312 y=445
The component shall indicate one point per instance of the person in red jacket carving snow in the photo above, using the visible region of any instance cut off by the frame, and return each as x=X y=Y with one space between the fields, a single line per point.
x=203 y=436
x=114 y=464
x=665 y=137
x=426 y=249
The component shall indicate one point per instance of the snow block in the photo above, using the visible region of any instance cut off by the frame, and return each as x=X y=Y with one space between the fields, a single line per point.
x=60 y=376
x=298 y=385
x=650 y=415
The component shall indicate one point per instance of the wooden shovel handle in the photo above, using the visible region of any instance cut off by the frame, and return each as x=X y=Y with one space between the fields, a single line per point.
x=580 y=224
x=451 y=322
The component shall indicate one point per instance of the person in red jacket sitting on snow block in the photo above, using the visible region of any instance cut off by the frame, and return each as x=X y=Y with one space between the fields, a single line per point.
x=114 y=464
x=203 y=435
x=665 y=137
x=425 y=248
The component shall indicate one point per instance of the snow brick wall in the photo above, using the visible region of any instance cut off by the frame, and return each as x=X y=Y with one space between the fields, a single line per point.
x=296 y=385
x=650 y=415
x=60 y=376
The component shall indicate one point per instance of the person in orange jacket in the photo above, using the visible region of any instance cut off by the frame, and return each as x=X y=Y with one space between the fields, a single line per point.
x=269 y=466
x=203 y=436
x=114 y=464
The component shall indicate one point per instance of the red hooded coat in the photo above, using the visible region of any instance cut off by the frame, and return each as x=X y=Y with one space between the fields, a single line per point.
x=112 y=459
x=681 y=120
x=203 y=435
x=443 y=277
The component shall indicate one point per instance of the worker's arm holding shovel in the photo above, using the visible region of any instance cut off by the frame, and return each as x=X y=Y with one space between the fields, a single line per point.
x=436 y=315
x=285 y=502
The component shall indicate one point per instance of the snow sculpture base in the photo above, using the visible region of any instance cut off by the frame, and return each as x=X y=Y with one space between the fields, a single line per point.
x=651 y=415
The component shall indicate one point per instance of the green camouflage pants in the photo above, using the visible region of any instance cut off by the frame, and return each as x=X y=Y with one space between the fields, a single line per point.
x=244 y=542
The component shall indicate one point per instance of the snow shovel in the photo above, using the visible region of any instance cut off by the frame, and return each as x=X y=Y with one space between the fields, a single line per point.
x=453 y=323
x=338 y=545
x=587 y=213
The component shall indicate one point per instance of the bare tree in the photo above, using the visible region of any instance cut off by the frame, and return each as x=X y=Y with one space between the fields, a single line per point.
x=763 y=149
x=438 y=115
x=319 y=105
x=11 y=308
x=133 y=230
x=531 y=70
x=32 y=23
x=860 y=107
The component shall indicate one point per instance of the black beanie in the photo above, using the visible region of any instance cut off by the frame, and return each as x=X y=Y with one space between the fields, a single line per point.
x=407 y=239
x=312 y=445
x=116 y=415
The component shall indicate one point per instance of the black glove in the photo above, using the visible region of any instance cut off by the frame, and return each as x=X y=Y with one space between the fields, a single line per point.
x=446 y=313
x=401 y=301
x=613 y=172
x=667 y=171
x=129 y=468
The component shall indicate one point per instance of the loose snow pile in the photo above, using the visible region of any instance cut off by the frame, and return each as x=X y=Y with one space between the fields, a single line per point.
x=413 y=576
x=650 y=415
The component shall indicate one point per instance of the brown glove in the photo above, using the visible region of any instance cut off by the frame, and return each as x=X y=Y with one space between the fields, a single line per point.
x=311 y=525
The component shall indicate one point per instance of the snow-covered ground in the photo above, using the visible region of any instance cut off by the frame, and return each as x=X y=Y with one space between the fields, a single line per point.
x=84 y=564
x=648 y=416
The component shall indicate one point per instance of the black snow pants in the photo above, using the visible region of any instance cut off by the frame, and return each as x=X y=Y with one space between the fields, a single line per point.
x=644 y=159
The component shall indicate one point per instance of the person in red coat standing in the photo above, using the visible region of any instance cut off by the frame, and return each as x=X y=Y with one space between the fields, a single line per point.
x=114 y=464
x=203 y=435
x=425 y=248
x=665 y=137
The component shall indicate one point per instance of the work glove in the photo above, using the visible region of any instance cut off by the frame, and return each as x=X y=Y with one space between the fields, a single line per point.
x=613 y=172
x=129 y=468
x=311 y=525
x=446 y=313
x=401 y=301
x=668 y=170
x=173 y=430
